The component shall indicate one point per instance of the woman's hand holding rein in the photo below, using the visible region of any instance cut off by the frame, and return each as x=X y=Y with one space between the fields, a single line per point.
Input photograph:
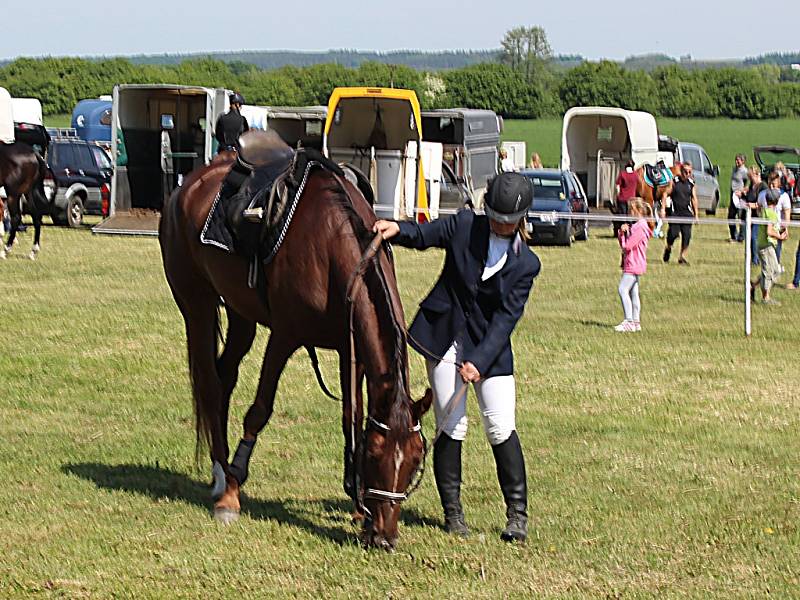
x=388 y=229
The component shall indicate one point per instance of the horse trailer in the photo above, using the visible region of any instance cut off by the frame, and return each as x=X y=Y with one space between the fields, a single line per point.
x=597 y=141
x=378 y=130
x=91 y=118
x=167 y=133
x=6 y=118
x=297 y=125
x=470 y=139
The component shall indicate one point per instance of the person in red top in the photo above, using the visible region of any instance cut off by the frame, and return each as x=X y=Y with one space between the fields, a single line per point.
x=627 y=180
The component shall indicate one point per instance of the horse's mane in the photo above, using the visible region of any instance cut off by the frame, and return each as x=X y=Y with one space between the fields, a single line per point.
x=399 y=412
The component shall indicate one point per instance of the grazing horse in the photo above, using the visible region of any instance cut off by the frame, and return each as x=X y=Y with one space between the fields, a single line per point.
x=307 y=284
x=22 y=173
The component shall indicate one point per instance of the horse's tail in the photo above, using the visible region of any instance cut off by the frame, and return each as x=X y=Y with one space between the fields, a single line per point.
x=203 y=356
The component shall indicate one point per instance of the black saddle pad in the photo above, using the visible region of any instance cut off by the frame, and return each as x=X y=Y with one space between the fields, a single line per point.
x=225 y=226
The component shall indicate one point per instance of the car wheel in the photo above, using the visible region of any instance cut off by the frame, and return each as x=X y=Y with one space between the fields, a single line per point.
x=713 y=209
x=75 y=212
x=567 y=236
x=583 y=233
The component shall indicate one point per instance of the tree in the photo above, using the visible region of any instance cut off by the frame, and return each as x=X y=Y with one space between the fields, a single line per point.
x=496 y=87
x=526 y=50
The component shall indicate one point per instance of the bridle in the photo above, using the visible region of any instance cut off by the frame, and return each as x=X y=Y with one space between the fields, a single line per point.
x=392 y=496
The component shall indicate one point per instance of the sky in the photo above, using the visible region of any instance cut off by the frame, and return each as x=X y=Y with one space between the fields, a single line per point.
x=705 y=29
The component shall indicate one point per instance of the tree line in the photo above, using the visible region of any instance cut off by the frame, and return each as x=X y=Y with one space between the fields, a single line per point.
x=523 y=85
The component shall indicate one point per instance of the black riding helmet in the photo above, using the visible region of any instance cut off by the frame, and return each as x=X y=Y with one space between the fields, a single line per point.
x=508 y=198
x=236 y=98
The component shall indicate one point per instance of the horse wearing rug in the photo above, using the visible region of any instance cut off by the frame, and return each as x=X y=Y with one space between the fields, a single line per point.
x=323 y=283
x=655 y=185
x=22 y=173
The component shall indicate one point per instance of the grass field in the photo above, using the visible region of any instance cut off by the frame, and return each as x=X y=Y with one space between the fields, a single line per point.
x=722 y=139
x=662 y=463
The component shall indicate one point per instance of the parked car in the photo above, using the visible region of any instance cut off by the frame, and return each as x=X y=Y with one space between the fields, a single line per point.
x=767 y=156
x=705 y=175
x=80 y=180
x=557 y=191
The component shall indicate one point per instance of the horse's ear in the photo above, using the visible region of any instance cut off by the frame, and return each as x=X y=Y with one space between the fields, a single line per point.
x=421 y=406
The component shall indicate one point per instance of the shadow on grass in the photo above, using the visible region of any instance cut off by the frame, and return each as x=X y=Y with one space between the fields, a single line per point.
x=590 y=323
x=160 y=483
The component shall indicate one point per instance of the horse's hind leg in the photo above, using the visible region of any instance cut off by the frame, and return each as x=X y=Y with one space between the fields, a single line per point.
x=37 y=233
x=201 y=320
x=278 y=352
x=238 y=341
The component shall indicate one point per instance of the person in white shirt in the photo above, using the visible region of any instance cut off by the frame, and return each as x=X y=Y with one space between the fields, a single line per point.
x=783 y=208
x=506 y=164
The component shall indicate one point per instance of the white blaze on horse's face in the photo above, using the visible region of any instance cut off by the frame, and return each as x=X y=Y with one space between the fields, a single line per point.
x=398 y=462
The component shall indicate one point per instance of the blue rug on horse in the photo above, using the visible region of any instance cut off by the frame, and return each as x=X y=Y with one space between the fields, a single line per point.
x=657 y=176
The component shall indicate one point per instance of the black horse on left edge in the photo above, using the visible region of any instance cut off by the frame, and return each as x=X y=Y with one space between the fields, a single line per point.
x=22 y=173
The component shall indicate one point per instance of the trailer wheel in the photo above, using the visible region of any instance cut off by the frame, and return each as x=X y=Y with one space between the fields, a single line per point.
x=74 y=212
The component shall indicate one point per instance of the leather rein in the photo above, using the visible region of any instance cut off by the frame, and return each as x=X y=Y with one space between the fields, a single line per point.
x=391 y=496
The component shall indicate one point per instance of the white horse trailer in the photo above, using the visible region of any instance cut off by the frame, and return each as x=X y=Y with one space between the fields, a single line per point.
x=597 y=141
x=297 y=125
x=167 y=132
x=6 y=118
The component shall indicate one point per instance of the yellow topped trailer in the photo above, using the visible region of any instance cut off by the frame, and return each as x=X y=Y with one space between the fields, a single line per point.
x=378 y=130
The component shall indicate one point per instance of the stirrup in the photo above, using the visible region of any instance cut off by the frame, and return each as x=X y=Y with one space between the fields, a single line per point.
x=253 y=215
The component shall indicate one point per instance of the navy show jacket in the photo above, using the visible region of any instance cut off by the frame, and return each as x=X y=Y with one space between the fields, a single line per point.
x=480 y=315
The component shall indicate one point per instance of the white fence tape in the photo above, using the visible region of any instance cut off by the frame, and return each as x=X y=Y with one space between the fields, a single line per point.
x=553 y=216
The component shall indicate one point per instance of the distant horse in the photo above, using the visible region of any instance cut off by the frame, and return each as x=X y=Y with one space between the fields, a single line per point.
x=22 y=173
x=307 y=283
x=651 y=194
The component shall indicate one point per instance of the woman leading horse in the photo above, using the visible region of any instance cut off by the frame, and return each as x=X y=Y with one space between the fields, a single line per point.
x=464 y=330
x=307 y=287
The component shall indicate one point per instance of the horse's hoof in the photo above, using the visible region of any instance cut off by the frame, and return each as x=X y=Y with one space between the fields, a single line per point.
x=2 y=254
x=226 y=516
x=32 y=255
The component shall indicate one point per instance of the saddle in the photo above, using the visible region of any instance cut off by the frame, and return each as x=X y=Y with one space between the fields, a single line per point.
x=257 y=200
x=657 y=175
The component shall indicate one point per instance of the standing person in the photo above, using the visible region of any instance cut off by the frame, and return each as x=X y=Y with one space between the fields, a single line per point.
x=751 y=201
x=783 y=207
x=536 y=161
x=633 y=241
x=467 y=320
x=231 y=125
x=738 y=191
x=506 y=164
x=768 y=237
x=626 y=183
x=795 y=283
x=684 y=204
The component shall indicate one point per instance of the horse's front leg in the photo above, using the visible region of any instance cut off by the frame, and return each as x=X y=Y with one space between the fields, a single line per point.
x=15 y=218
x=279 y=349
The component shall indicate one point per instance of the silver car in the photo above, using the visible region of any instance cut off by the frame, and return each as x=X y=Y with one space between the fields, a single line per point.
x=705 y=175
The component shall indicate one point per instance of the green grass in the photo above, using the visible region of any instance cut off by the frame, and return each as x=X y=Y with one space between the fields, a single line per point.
x=722 y=139
x=664 y=463
x=64 y=120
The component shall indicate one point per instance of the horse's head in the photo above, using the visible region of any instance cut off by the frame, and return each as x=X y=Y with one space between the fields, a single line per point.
x=393 y=456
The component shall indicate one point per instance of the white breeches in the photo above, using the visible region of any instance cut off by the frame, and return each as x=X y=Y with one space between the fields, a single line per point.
x=496 y=400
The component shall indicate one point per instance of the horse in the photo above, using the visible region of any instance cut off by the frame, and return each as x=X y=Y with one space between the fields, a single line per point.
x=22 y=173
x=307 y=284
x=651 y=194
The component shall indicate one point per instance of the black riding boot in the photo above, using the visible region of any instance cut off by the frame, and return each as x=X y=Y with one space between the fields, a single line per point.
x=447 y=470
x=513 y=483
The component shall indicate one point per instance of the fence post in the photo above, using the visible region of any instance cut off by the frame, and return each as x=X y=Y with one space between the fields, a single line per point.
x=748 y=256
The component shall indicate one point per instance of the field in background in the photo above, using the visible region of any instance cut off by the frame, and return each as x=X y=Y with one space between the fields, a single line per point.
x=660 y=463
x=722 y=139
x=57 y=120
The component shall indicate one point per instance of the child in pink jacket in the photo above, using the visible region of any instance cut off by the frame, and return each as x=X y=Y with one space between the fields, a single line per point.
x=633 y=241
